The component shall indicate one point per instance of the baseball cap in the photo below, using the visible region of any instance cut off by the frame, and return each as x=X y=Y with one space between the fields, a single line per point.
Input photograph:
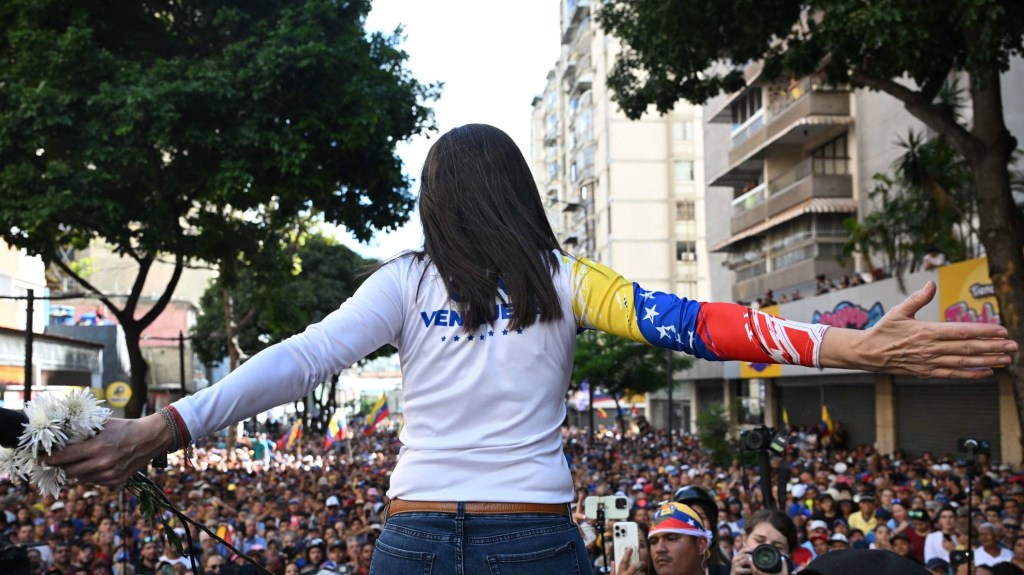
x=818 y=524
x=838 y=538
x=332 y=501
x=57 y=506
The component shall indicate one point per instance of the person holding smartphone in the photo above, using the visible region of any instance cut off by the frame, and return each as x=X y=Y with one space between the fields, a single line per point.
x=679 y=543
x=943 y=540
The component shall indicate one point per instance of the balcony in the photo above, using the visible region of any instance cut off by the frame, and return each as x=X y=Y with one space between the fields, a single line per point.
x=575 y=12
x=797 y=122
x=741 y=231
x=804 y=182
x=754 y=286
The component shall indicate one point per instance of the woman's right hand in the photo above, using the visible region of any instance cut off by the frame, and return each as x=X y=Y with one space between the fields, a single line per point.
x=116 y=453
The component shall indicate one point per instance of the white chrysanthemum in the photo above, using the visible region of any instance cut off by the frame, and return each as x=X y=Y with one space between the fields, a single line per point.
x=84 y=415
x=43 y=430
x=48 y=479
x=9 y=464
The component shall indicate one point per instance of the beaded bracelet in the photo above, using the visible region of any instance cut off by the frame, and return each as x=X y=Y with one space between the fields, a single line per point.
x=179 y=431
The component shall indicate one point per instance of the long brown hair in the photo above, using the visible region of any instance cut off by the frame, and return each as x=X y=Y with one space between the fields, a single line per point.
x=485 y=229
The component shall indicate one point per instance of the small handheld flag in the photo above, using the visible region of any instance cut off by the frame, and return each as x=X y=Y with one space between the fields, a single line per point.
x=378 y=414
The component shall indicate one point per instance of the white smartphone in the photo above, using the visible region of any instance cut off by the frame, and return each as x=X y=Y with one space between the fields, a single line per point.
x=613 y=506
x=625 y=536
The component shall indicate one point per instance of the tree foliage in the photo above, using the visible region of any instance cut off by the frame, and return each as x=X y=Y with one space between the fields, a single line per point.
x=928 y=199
x=325 y=274
x=622 y=367
x=693 y=50
x=202 y=129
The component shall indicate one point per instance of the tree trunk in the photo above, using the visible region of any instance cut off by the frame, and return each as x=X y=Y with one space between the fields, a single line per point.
x=139 y=372
x=1002 y=224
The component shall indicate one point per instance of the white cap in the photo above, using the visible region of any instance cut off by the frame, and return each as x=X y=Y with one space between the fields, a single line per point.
x=818 y=524
x=798 y=490
x=838 y=537
x=332 y=501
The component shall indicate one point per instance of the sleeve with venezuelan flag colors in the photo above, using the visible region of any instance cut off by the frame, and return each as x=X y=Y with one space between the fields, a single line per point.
x=604 y=300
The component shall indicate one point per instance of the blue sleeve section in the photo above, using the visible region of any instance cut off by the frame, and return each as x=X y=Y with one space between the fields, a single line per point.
x=669 y=321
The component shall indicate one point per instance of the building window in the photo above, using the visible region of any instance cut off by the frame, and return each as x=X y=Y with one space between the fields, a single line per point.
x=832 y=158
x=746 y=107
x=686 y=210
x=686 y=251
x=682 y=130
x=683 y=170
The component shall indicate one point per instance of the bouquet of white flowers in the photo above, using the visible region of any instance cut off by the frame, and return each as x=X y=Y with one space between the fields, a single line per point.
x=52 y=422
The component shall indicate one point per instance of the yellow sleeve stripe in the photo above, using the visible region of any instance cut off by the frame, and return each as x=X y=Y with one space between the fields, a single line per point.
x=603 y=300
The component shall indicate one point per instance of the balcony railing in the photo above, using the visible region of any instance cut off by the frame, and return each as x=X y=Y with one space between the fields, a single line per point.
x=753 y=198
x=743 y=132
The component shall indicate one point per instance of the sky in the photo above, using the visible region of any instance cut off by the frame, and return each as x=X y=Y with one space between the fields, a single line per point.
x=493 y=58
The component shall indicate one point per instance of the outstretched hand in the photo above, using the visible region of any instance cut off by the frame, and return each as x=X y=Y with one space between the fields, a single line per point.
x=901 y=344
x=116 y=453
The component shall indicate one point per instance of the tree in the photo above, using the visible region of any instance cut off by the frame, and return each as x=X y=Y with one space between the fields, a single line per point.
x=715 y=429
x=622 y=367
x=325 y=274
x=928 y=200
x=201 y=130
x=682 y=49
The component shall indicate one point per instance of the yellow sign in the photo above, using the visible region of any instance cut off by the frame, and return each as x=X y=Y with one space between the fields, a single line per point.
x=118 y=394
x=749 y=370
x=966 y=293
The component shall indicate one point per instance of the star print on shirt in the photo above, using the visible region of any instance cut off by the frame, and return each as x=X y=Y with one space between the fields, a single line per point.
x=647 y=295
x=444 y=337
x=491 y=333
x=504 y=332
x=665 y=330
x=651 y=312
x=519 y=331
x=456 y=338
x=469 y=338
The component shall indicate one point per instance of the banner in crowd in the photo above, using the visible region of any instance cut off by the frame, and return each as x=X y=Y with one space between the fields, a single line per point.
x=378 y=414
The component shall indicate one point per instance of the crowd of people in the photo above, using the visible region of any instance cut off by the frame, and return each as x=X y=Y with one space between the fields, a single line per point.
x=312 y=509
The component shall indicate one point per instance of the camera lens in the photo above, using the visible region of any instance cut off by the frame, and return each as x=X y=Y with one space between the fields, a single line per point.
x=767 y=558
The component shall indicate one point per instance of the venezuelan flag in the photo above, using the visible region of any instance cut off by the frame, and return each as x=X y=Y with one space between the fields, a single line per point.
x=826 y=421
x=378 y=414
x=289 y=439
x=337 y=429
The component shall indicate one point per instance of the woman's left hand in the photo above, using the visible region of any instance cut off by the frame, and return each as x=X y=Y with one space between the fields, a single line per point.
x=901 y=344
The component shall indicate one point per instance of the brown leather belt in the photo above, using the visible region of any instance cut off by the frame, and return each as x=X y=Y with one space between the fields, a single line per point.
x=475 y=508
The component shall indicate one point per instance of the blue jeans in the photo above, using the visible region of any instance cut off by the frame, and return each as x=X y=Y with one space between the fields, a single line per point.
x=460 y=544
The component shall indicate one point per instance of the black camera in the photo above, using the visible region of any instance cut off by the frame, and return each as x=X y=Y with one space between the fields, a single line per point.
x=973 y=446
x=763 y=438
x=959 y=557
x=768 y=559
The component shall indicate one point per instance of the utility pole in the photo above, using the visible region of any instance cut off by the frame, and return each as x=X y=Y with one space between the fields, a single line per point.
x=181 y=359
x=28 y=343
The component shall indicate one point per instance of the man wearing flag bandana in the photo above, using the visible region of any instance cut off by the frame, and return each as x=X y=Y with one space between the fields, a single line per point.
x=679 y=542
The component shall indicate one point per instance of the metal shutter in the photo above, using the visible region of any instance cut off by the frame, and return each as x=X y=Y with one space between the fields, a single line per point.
x=853 y=405
x=932 y=415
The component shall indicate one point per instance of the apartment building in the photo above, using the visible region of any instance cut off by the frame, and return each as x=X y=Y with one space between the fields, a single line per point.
x=628 y=194
x=789 y=160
